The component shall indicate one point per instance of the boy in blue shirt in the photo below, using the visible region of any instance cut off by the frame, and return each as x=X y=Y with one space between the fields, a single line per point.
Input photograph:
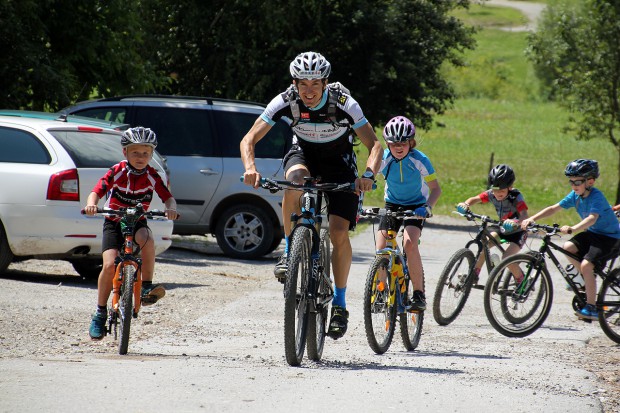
x=599 y=225
x=410 y=184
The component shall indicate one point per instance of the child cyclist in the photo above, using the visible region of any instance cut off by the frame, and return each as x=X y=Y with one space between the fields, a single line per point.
x=510 y=207
x=126 y=184
x=599 y=225
x=410 y=184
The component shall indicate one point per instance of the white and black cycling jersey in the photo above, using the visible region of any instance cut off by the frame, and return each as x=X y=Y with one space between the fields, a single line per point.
x=315 y=129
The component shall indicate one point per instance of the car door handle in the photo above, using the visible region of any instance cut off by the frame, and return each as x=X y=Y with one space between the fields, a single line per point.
x=208 y=172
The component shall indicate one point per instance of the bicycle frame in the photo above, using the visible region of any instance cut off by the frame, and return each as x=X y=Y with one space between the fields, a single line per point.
x=309 y=218
x=128 y=256
x=482 y=239
x=393 y=252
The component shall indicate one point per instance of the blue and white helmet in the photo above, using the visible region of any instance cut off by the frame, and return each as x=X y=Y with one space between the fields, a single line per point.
x=310 y=65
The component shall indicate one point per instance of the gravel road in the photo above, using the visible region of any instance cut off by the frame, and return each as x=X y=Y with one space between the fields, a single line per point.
x=215 y=343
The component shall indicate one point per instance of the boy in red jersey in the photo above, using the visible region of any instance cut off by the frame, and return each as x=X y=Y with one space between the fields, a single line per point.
x=126 y=184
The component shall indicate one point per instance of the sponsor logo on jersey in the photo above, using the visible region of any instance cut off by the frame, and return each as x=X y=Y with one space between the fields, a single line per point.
x=305 y=115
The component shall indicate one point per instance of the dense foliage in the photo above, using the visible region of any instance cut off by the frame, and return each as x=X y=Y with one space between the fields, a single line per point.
x=389 y=53
x=576 y=53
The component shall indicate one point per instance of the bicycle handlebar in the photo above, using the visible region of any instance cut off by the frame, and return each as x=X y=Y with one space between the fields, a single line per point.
x=310 y=184
x=137 y=210
x=380 y=212
x=549 y=229
x=470 y=216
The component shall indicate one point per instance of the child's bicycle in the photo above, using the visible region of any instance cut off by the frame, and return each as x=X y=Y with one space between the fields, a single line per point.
x=308 y=287
x=127 y=281
x=386 y=292
x=517 y=309
x=458 y=276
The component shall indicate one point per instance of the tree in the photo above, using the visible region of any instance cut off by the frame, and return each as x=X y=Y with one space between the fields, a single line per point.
x=58 y=51
x=388 y=53
x=576 y=53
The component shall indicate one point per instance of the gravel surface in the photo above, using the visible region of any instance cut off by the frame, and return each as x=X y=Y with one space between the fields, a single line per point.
x=226 y=315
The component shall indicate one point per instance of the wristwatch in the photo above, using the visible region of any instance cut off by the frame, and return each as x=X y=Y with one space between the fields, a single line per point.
x=369 y=175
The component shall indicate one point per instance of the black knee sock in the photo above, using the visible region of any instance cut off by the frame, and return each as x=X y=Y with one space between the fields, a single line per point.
x=102 y=309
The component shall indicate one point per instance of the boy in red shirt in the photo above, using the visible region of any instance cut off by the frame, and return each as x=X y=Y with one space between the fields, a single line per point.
x=127 y=184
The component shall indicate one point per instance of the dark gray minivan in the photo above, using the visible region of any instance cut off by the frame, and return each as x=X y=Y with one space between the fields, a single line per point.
x=199 y=138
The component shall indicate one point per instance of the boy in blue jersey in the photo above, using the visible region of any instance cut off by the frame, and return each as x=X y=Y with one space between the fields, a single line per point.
x=410 y=184
x=600 y=228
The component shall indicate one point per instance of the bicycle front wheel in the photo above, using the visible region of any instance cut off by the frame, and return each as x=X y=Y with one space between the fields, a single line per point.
x=518 y=309
x=126 y=307
x=317 y=325
x=379 y=314
x=296 y=297
x=453 y=287
x=608 y=305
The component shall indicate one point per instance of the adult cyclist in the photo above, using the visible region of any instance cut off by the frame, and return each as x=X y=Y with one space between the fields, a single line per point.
x=322 y=146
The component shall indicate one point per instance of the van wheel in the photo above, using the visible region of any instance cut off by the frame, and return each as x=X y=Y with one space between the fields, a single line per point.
x=89 y=268
x=6 y=255
x=245 y=232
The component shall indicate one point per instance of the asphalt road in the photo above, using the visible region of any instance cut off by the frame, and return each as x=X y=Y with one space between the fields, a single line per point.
x=231 y=358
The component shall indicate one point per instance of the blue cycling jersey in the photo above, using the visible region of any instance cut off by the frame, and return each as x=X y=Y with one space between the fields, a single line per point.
x=606 y=224
x=406 y=180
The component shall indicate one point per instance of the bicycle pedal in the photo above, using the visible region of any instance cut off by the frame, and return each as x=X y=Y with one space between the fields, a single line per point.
x=478 y=286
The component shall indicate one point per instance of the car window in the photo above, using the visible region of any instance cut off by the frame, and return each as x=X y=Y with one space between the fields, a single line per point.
x=232 y=127
x=111 y=114
x=19 y=146
x=180 y=132
x=90 y=149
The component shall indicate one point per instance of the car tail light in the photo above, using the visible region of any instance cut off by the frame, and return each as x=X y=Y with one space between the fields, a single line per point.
x=64 y=186
x=89 y=129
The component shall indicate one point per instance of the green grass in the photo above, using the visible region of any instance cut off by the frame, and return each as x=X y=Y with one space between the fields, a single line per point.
x=500 y=118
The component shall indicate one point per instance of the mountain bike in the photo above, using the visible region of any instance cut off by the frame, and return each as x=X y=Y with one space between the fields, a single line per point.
x=308 y=288
x=458 y=276
x=386 y=292
x=517 y=309
x=127 y=281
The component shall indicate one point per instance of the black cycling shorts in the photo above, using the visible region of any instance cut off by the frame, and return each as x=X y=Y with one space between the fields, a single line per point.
x=593 y=247
x=113 y=237
x=330 y=169
x=396 y=223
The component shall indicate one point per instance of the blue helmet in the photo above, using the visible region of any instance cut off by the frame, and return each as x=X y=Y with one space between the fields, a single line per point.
x=588 y=168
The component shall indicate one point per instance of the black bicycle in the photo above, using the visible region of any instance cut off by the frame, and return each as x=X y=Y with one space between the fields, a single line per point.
x=308 y=288
x=518 y=307
x=458 y=276
x=387 y=292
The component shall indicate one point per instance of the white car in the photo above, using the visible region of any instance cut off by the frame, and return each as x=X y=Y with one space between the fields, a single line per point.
x=47 y=170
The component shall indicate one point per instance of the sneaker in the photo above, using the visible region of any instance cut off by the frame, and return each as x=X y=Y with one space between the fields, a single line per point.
x=280 y=269
x=152 y=293
x=589 y=312
x=97 y=328
x=418 y=301
x=338 y=323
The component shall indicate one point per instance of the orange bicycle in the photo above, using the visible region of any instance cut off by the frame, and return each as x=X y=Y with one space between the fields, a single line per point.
x=127 y=281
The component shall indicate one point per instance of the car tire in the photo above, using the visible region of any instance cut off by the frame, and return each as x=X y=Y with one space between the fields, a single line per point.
x=245 y=232
x=6 y=255
x=89 y=268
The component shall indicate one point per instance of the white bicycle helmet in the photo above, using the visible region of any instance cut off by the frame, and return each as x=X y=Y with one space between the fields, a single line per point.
x=139 y=136
x=398 y=129
x=310 y=65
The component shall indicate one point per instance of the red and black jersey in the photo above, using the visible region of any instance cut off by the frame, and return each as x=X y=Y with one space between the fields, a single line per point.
x=126 y=189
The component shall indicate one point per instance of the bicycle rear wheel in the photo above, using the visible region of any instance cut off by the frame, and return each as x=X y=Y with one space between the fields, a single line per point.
x=411 y=325
x=608 y=305
x=453 y=287
x=379 y=315
x=317 y=322
x=295 y=295
x=518 y=309
x=126 y=307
